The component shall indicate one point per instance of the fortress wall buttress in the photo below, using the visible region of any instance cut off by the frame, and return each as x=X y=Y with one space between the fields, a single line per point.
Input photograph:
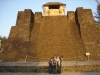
x=75 y=32
x=24 y=24
x=89 y=31
x=18 y=45
x=85 y=21
x=14 y=29
x=25 y=27
x=35 y=32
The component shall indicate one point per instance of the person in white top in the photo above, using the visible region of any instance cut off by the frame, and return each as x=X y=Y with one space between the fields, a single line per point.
x=58 y=64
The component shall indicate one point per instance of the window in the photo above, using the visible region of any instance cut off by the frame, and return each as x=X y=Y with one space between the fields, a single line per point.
x=54 y=7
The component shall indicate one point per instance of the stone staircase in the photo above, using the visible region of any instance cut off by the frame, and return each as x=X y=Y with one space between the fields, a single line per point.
x=42 y=67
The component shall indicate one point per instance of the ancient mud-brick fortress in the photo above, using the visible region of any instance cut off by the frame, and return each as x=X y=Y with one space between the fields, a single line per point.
x=37 y=36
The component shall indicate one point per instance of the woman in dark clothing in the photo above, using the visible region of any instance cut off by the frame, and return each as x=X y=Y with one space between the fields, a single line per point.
x=50 y=65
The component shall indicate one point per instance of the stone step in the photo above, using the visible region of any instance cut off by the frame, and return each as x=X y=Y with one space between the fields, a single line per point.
x=42 y=67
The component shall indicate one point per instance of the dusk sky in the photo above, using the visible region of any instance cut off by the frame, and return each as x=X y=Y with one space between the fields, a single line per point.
x=10 y=8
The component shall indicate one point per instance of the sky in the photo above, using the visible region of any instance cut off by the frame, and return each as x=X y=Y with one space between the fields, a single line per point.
x=10 y=8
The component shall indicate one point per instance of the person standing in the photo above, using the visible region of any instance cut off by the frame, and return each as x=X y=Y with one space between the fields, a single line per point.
x=50 y=65
x=58 y=64
x=61 y=59
x=54 y=64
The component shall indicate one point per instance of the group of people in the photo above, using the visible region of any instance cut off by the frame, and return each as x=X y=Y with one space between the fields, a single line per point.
x=55 y=64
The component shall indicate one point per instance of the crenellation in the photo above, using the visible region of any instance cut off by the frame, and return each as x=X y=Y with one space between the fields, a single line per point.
x=71 y=16
x=38 y=17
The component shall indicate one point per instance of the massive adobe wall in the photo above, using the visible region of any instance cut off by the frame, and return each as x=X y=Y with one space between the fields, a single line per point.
x=23 y=26
x=36 y=36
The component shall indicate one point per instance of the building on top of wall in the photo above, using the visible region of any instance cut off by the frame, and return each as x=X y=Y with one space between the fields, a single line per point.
x=54 y=9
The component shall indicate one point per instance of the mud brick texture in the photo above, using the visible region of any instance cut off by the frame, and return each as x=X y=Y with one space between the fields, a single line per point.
x=37 y=38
